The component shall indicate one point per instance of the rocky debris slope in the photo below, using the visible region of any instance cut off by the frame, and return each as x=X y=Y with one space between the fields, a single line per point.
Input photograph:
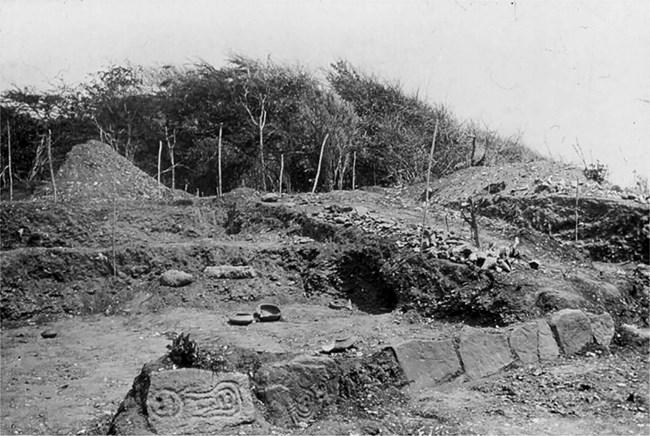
x=94 y=171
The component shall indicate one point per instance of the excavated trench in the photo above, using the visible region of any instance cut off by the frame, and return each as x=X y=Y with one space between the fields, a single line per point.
x=300 y=260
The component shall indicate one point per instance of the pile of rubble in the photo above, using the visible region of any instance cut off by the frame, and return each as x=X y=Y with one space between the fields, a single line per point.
x=440 y=243
x=94 y=171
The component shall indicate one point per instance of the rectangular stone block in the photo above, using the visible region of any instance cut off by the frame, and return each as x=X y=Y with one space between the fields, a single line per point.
x=483 y=353
x=428 y=363
x=524 y=342
x=230 y=272
x=547 y=347
x=572 y=330
x=299 y=390
x=196 y=401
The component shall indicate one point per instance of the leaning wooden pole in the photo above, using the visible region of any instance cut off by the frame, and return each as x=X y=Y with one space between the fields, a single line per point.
x=49 y=158
x=320 y=162
x=220 y=187
x=426 y=193
x=11 y=176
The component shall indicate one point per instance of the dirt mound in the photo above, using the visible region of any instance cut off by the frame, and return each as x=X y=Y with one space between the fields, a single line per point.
x=520 y=180
x=94 y=171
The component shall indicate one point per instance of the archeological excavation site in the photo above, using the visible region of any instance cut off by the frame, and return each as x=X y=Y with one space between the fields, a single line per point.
x=134 y=309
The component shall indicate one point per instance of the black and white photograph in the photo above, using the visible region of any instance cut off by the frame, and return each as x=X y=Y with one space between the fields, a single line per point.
x=325 y=217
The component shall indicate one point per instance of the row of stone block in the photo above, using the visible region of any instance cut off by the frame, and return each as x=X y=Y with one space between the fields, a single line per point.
x=303 y=388
x=479 y=353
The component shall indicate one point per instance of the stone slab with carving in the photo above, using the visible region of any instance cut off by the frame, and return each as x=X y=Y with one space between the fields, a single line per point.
x=428 y=363
x=196 y=401
x=299 y=390
x=483 y=353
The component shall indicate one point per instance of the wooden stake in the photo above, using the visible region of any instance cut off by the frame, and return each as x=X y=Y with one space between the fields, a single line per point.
x=11 y=176
x=426 y=193
x=320 y=161
x=220 y=187
x=577 y=194
x=49 y=158
x=354 y=171
x=281 y=171
x=114 y=226
x=160 y=147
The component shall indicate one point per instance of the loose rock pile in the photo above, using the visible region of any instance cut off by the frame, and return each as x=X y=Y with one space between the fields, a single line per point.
x=94 y=171
x=437 y=242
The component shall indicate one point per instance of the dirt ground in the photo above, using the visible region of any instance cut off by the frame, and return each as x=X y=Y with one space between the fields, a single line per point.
x=58 y=264
x=73 y=383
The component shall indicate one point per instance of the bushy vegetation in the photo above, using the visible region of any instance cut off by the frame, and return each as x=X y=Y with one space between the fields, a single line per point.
x=271 y=119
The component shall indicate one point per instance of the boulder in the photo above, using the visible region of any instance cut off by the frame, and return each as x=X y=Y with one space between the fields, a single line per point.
x=524 y=342
x=196 y=401
x=230 y=272
x=547 y=347
x=533 y=342
x=572 y=330
x=270 y=197
x=428 y=363
x=299 y=390
x=483 y=353
x=176 y=278
x=602 y=327
x=361 y=210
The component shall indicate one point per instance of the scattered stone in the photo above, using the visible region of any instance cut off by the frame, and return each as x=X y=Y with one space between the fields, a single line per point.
x=299 y=390
x=493 y=188
x=602 y=327
x=230 y=272
x=534 y=264
x=191 y=401
x=428 y=363
x=489 y=263
x=49 y=334
x=361 y=210
x=483 y=353
x=572 y=330
x=270 y=197
x=176 y=278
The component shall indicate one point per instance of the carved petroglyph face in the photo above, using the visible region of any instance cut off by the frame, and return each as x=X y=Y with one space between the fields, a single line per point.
x=166 y=403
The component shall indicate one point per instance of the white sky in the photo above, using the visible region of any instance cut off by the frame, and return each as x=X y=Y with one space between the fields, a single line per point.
x=554 y=70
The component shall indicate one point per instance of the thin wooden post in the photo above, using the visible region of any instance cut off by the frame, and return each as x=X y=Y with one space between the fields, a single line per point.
x=11 y=176
x=160 y=147
x=577 y=195
x=320 y=161
x=114 y=227
x=220 y=188
x=281 y=171
x=354 y=170
x=49 y=158
x=426 y=193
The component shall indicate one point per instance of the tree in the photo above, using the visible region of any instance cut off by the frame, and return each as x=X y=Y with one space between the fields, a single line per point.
x=116 y=101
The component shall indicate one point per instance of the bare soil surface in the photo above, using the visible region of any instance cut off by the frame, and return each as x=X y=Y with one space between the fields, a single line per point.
x=89 y=271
